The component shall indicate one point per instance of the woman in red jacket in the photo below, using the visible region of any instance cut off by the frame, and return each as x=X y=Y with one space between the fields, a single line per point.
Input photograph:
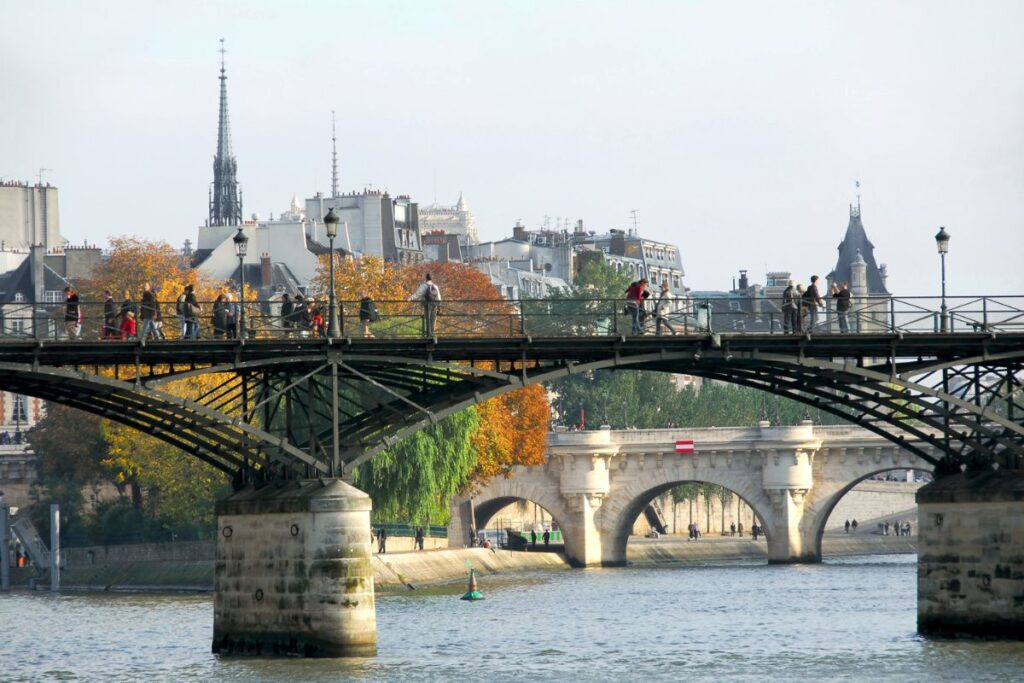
x=128 y=325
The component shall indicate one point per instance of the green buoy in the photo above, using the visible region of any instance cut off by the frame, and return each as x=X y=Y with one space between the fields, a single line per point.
x=472 y=593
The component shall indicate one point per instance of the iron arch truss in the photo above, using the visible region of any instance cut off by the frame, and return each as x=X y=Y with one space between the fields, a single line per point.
x=298 y=408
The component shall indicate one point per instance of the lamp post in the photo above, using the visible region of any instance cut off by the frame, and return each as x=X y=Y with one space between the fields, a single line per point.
x=942 y=243
x=241 y=246
x=331 y=224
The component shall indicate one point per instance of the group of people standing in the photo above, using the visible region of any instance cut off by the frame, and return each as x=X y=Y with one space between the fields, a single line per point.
x=637 y=296
x=122 y=320
x=800 y=306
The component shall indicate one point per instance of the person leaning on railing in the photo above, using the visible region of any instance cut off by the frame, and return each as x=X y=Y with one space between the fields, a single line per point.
x=634 y=301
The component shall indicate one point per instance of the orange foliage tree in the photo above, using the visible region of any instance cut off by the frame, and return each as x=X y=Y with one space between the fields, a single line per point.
x=180 y=488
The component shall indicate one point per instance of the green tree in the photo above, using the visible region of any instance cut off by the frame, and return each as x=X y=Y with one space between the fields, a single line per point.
x=70 y=449
x=414 y=479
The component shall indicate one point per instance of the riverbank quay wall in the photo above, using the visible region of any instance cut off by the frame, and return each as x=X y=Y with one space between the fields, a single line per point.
x=188 y=567
x=595 y=484
x=970 y=578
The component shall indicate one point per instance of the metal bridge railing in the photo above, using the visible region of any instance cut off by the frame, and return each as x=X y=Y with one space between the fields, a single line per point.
x=513 y=318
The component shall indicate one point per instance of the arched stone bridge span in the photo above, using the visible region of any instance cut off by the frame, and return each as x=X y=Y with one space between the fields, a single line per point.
x=299 y=408
x=596 y=483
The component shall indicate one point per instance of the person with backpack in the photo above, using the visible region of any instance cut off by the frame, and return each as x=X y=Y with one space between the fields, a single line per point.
x=367 y=314
x=429 y=295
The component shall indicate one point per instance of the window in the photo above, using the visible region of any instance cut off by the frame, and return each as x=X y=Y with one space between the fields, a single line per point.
x=19 y=297
x=19 y=412
x=676 y=282
x=734 y=305
x=53 y=296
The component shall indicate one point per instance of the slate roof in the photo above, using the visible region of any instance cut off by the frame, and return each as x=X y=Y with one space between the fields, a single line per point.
x=856 y=240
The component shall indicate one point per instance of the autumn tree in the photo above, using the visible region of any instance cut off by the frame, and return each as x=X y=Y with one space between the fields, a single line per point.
x=180 y=489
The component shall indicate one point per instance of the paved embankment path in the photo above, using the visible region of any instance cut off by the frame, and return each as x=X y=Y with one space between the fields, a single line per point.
x=397 y=571
x=677 y=549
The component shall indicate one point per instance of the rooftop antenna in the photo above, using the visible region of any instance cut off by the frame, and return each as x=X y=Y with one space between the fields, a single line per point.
x=858 y=196
x=634 y=212
x=41 y=172
x=334 y=158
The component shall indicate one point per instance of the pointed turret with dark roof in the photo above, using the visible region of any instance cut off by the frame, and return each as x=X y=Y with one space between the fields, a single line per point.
x=225 y=197
x=856 y=243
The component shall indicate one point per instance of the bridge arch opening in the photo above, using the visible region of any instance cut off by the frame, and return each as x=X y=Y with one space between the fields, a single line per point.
x=885 y=495
x=718 y=509
x=508 y=521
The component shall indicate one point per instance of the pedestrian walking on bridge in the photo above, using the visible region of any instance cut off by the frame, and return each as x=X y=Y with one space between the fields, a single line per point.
x=790 y=316
x=72 y=314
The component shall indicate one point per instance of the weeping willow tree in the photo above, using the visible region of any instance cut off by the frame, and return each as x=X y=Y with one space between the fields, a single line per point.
x=414 y=479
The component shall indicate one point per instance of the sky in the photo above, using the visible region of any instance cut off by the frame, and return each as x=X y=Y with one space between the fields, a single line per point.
x=736 y=130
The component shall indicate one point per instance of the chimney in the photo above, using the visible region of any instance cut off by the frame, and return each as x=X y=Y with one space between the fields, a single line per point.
x=37 y=271
x=579 y=227
x=618 y=243
x=266 y=277
x=519 y=232
x=744 y=283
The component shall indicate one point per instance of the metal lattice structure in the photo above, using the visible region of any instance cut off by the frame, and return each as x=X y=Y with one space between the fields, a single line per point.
x=298 y=407
x=282 y=403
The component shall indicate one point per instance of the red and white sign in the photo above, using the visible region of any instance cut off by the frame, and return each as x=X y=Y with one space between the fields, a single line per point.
x=684 y=446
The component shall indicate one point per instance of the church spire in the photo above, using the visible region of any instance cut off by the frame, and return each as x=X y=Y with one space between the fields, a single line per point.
x=226 y=199
x=334 y=158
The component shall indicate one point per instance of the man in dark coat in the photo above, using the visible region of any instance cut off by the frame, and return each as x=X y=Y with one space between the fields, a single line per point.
x=110 y=329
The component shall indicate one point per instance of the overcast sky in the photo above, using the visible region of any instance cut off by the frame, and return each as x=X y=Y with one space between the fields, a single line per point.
x=736 y=129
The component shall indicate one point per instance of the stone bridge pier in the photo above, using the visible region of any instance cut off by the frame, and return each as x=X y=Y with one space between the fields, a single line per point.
x=595 y=484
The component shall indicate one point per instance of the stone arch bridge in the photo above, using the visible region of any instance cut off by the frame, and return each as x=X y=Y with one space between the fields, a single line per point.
x=596 y=483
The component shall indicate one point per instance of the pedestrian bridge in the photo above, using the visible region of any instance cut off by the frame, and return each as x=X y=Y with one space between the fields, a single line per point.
x=596 y=483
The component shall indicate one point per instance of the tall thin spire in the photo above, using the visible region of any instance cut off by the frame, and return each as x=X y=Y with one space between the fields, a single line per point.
x=226 y=199
x=334 y=158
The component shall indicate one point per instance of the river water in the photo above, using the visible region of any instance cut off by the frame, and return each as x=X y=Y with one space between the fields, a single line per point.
x=847 y=619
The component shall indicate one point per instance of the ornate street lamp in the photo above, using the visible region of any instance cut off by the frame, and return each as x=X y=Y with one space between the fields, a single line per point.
x=942 y=243
x=331 y=224
x=241 y=246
